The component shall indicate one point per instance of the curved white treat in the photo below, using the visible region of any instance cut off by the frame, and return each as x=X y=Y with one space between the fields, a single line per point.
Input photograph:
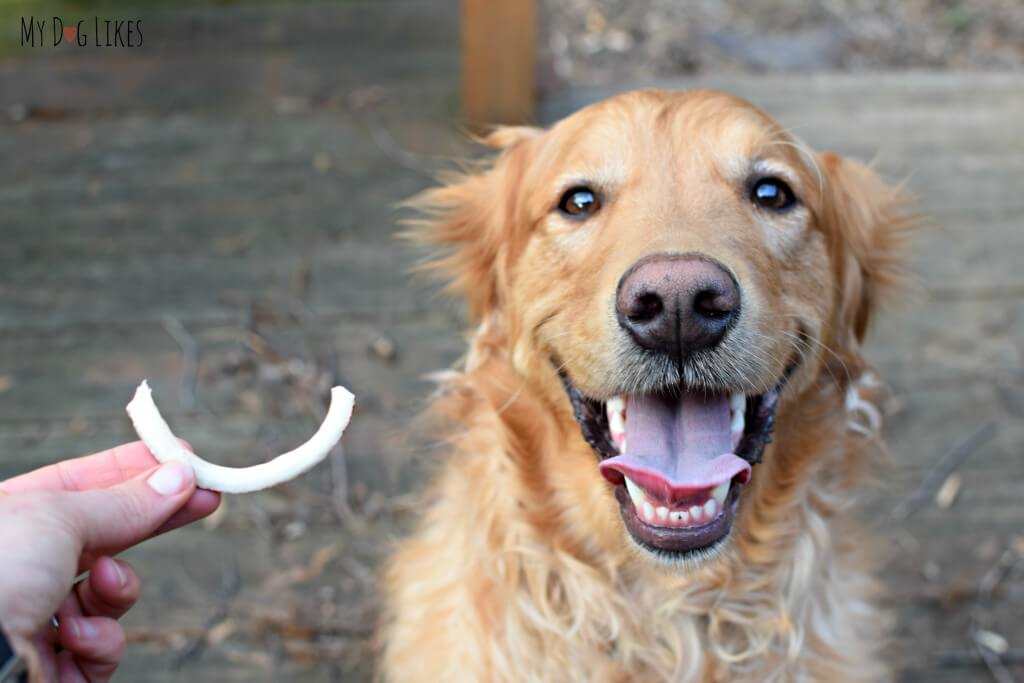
x=157 y=436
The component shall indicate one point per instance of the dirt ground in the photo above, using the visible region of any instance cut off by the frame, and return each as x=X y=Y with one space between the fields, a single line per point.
x=216 y=212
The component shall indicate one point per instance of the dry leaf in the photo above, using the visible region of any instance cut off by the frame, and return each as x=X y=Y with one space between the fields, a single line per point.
x=6 y=382
x=302 y=652
x=991 y=640
x=231 y=246
x=321 y=162
x=221 y=632
x=893 y=406
x=77 y=425
x=383 y=348
x=987 y=550
x=170 y=639
x=272 y=614
x=248 y=657
x=947 y=493
x=955 y=593
x=305 y=573
x=322 y=558
x=294 y=529
x=251 y=401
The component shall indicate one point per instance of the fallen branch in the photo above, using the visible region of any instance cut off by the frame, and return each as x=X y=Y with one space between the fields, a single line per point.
x=231 y=586
x=990 y=646
x=190 y=360
x=969 y=658
x=942 y=469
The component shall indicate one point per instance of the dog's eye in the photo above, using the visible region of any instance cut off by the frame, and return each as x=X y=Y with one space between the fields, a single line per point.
x=579 y=202
x=772 y=193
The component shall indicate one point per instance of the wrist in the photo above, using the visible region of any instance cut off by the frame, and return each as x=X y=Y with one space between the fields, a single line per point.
x=16 y=658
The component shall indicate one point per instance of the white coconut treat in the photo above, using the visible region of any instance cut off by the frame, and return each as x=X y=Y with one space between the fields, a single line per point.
x=154 y=432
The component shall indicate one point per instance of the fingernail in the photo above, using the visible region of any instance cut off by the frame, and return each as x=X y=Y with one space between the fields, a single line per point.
x=84 y=629
x=122 y=576
x=171 y=478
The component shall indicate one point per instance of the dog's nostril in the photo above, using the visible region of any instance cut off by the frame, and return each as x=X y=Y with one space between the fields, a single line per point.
x=646 y=307
x=711 y=304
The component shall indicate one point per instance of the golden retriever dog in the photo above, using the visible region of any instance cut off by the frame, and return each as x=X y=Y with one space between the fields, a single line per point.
x=664 y=415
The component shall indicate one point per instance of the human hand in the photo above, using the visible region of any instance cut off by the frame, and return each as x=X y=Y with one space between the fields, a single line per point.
x=72 y=517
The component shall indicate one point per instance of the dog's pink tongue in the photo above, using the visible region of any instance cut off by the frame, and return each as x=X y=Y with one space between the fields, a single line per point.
x=676 y=446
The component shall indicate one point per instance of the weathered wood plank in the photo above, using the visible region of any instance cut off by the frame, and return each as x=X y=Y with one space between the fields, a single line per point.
x=499 y=45
x=204 y=210
x=203 y=59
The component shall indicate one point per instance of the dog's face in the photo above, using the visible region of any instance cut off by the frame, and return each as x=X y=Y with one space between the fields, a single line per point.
x=679 y=263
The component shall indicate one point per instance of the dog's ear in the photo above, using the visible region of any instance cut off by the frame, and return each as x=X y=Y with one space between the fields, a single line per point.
x=868 y=223
x=476 y=220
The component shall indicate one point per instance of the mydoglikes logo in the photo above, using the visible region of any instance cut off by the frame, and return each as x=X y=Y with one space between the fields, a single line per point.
x=96 y=31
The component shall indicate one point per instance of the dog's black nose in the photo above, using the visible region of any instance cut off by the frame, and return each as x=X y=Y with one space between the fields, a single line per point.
x=677 y=304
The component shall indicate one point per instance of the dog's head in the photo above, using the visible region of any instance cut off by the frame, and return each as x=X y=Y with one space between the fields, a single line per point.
x=679 y=264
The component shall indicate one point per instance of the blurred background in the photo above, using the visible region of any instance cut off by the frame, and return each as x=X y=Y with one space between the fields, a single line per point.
x=214 y=210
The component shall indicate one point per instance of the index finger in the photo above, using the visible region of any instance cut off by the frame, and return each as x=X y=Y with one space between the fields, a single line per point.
x=97 y=471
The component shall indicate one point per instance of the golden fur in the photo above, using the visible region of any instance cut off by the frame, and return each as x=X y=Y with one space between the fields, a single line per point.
x=520 y=568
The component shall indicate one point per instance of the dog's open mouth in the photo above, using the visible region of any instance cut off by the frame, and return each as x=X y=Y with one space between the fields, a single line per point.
x=677 y=459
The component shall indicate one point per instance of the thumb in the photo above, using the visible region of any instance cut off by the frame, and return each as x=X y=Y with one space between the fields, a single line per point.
x=113 y=519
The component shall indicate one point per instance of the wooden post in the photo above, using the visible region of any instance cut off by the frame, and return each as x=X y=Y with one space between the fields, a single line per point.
x=499 y=45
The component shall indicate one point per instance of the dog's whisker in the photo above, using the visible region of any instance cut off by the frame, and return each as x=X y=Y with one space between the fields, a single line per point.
x=827 y=349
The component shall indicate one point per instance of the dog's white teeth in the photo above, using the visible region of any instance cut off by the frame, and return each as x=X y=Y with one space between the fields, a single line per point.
x=697 y=514
x=648 y=509
x=616 y=424
x=636 y=494
x=737 y=424
x=680 y=516
x=720 y=492
x=738 y=409
x=616 y=404
x=648 y=512
x=615 y=407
